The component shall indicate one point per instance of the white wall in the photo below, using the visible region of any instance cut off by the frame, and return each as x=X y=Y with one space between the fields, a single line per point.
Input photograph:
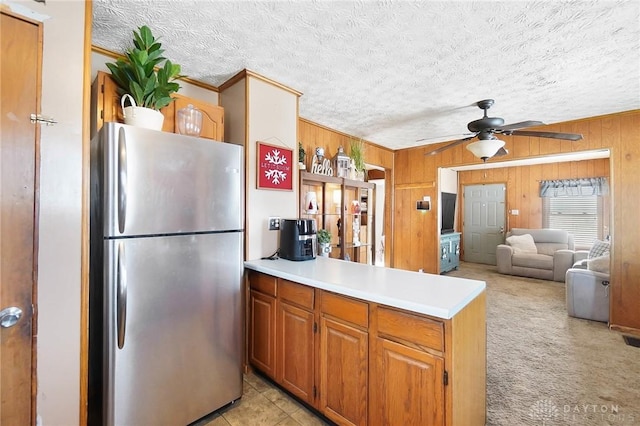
x=448 y=180
x=273 y=119
x=58 y=349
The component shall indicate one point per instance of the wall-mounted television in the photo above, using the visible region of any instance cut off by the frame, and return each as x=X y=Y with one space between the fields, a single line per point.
x=447 y=212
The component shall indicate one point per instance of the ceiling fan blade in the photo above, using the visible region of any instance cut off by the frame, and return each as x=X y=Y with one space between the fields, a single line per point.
x=451 y=145
x=447 y=137
x=552 y=135
x=520 y=125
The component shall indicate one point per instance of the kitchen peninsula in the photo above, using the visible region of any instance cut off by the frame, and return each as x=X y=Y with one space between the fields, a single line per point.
x=370 y=345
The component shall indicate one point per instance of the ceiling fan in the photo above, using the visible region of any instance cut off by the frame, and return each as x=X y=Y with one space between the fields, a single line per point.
x=485 y=129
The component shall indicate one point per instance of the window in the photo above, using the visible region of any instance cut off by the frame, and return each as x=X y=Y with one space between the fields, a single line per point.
x=579 y=215
x=579 y=206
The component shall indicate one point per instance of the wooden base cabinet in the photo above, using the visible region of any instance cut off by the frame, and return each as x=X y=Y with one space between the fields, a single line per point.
x=295 y=347
x=344 y=359
x=262 y=323
x=360 y=363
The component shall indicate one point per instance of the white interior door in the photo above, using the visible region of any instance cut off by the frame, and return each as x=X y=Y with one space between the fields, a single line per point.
x=483 y=224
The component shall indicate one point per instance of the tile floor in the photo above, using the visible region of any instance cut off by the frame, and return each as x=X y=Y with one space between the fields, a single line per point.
x=263 y=404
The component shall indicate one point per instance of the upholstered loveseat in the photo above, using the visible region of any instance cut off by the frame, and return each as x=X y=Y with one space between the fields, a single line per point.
x=536 y=253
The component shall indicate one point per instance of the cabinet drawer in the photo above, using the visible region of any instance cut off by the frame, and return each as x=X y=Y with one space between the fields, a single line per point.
x=412 y=328
x=263 y=283
x=298 y=294
x=346 y=309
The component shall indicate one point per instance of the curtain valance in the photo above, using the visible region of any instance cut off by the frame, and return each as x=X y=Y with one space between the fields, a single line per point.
x=574 y=187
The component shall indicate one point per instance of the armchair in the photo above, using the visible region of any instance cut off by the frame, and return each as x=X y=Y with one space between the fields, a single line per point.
x=547 y=254
x=587 y=286
x=588 y=294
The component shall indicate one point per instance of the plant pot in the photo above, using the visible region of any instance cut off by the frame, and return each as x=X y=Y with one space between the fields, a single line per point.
x=324 y=249
x=141 y=116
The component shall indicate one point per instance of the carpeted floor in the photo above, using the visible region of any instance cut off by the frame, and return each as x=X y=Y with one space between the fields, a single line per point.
x=546 y=368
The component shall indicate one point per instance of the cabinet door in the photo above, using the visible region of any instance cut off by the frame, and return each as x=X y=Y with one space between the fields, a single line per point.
x=105 y=106
x=407 y=388
x=262 y=333
x=296 y=351
x=212 y=117
x=344 y=368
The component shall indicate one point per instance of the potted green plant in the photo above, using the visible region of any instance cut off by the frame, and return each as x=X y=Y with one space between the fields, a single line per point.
x=324 y=242
x=356 y=152
x=145 y=78
x=301 y=157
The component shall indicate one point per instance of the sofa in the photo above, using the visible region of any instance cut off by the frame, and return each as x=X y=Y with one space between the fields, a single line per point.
x=536 y=253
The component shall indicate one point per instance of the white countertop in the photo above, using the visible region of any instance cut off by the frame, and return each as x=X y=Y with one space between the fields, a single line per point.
x=436 y=295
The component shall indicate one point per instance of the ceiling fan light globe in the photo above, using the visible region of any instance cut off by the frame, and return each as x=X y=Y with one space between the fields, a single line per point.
x=485 y=149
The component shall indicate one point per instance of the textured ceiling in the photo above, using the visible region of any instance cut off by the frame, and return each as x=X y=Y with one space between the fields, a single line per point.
x=393 y=72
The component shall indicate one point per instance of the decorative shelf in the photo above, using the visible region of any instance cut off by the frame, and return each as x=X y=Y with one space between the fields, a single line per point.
x=332 y=194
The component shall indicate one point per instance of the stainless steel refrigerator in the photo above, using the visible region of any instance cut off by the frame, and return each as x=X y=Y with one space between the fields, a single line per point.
x=166 y=254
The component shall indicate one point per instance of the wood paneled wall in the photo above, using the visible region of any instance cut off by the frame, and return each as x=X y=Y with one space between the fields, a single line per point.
x=415 y=242
x=523 y=186
x=312 y=135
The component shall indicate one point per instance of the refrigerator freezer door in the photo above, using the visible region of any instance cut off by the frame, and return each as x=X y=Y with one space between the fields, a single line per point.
x=164 y=183
x=180 y=328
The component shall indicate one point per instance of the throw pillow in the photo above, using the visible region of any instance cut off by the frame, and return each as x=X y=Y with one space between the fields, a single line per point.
x=522 y=243
x=598 y=249
x=599 y=264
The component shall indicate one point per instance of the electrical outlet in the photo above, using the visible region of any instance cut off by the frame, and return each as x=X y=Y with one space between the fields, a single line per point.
x=274 y=224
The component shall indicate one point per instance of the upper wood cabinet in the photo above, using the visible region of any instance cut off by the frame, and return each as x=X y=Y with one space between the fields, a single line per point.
x=105 y=107
x=212 y=116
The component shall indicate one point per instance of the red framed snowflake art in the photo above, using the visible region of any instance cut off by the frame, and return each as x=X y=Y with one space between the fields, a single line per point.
x=275 y=167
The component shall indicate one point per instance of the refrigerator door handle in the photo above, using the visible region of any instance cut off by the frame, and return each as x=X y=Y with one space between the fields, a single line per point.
x=121 y=301
x=122 y=180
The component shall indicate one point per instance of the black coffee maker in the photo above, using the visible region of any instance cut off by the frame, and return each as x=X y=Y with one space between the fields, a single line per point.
x=298 y=239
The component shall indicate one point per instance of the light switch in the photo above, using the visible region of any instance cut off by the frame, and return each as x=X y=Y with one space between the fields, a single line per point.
x=515 y=212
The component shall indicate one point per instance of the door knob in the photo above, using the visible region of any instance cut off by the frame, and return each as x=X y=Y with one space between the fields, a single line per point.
x=10 y=316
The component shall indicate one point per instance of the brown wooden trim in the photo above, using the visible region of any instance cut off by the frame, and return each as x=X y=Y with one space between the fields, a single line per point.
x=233 y=80
x=416 y=185
x=115 y=55
x=598 y=117
x=625 y=330
x=273 y=82
x=36 y=230
x=247 y=169
x=84 y=245
x=248 y=73
x=313 y=123
x=6 y=9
